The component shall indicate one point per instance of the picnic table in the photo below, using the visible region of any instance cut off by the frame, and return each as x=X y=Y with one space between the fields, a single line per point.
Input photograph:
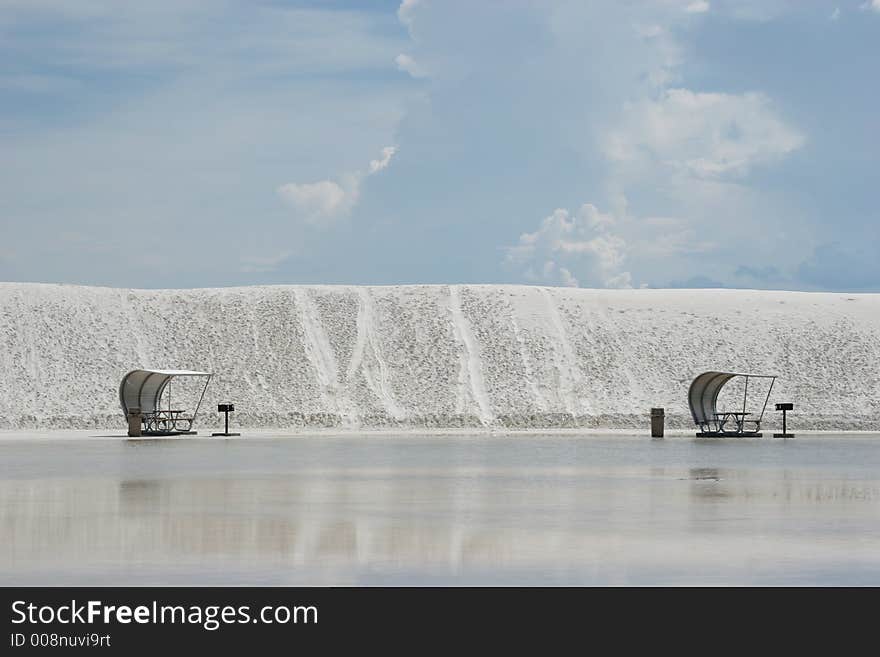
x=168 y=419
x=738 y=417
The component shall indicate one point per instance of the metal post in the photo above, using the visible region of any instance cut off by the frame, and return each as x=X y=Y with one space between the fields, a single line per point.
x=196 y=412
x=767 y=399
x=225 y=409
x=784 y=407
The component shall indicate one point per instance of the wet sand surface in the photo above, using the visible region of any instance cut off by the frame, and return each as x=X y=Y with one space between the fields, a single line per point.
x=448 y=510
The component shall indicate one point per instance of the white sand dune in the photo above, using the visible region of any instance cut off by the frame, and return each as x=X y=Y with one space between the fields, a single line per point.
x=435 y=356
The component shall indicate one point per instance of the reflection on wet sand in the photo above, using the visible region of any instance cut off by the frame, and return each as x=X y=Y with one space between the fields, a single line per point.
x=588 y=522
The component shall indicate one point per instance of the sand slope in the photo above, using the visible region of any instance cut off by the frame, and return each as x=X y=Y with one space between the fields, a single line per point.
x=435 y=356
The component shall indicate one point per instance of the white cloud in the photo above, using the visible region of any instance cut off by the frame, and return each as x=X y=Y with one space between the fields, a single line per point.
x=573 y=250
x=705 y=135
x=264 y=262
x=698 y=7
x=140 y=75
x=871 y=4
x=649 y=31
x=594 y=249
x=673 y=240
x=666 y=54
x=409 y=65
x=835 y=14
x=387 y=153
x=320 y=202
x=680 y=152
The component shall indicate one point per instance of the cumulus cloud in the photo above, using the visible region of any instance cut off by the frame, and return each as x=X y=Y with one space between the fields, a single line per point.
x=674 y=150
x=871 y=4
x=320 y=202
x=409 y=65
x=590 y=248
x=387 y=153
x=835 y=14
x=706 y=135
x=688 y=151
x=573 y=250
x=698 y=7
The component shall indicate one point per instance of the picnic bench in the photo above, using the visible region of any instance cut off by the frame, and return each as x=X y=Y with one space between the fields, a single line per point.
x=140 y=394
x=703 y=400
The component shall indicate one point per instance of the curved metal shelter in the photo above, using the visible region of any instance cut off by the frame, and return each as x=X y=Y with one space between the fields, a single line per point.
x=141 y=391
x=703 y=400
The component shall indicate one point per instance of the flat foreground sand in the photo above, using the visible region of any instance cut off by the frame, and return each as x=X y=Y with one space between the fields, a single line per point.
x=450 y=509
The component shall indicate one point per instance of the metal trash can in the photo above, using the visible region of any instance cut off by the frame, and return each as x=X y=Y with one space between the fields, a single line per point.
x=134 y=422
x=658 y=418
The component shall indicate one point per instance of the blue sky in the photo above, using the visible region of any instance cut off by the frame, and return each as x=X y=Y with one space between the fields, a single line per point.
x=640 y=143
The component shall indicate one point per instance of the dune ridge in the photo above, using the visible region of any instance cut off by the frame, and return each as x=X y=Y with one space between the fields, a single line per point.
x=435 y=356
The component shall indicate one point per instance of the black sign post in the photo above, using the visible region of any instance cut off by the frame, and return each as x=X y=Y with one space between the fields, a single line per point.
x=784 y=408
x=226 y=409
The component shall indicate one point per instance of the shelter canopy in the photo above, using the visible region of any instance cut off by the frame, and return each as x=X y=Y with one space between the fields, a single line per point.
x=142 y=389
x=704 y=390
